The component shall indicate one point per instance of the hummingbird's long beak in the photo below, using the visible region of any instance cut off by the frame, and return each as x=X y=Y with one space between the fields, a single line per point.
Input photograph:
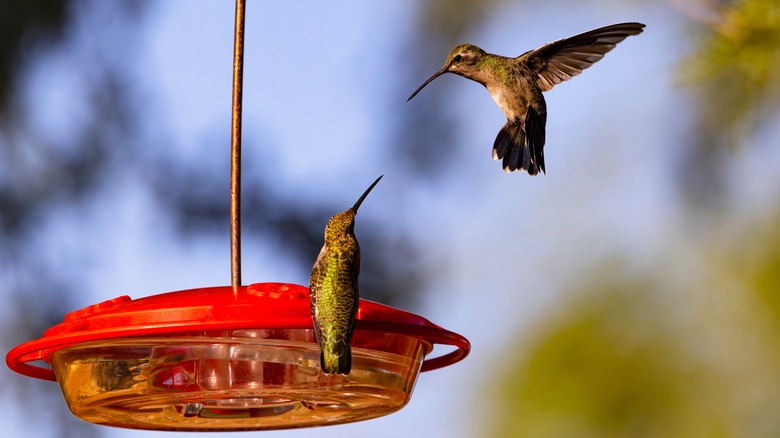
x=435 y=75
x=363 y=196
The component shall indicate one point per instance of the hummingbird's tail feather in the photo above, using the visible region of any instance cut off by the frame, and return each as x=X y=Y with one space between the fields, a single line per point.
x=521 y=149
x=503 y=139
x=510 y=146
x=535 y=132
x=518 y=152
x=338 y=361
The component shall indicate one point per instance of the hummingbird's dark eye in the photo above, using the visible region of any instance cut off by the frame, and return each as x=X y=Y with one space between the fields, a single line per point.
x=457 y=58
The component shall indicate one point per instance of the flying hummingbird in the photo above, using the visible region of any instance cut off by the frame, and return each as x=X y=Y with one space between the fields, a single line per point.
x=333 y=289
x=516 y=85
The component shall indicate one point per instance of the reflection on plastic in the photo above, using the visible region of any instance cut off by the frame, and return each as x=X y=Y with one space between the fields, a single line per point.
x=235 y=380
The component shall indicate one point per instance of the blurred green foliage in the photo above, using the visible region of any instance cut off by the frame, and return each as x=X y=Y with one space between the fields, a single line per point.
x=643 y=352
x=608 y=364
x=739 y=56
x=734 y=73
x=764 y=275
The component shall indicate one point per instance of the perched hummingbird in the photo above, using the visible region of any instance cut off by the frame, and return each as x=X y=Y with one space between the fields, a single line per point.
x=333 y=289
x=516 y=85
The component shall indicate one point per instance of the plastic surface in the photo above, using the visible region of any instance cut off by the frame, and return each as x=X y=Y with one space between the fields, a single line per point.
x=212 y=359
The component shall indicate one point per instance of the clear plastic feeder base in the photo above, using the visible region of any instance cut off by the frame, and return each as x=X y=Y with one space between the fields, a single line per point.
x=229 y=381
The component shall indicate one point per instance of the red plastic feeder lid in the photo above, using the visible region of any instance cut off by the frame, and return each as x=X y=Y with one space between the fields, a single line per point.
x=259 y=306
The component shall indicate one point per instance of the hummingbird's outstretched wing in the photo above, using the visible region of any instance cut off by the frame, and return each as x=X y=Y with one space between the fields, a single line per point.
x=563 y=59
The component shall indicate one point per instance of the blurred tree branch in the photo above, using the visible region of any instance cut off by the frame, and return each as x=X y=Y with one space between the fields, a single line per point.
x=25 y=27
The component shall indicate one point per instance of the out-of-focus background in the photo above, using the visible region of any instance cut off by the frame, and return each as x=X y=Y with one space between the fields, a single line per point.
x=634 y=290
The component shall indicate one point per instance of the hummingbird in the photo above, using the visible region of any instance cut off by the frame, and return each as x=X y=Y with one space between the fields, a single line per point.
x=333 y=290
x=516 y=85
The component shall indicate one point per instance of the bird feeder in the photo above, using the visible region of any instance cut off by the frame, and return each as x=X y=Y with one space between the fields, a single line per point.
x=233 y=357
x=209 y=359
